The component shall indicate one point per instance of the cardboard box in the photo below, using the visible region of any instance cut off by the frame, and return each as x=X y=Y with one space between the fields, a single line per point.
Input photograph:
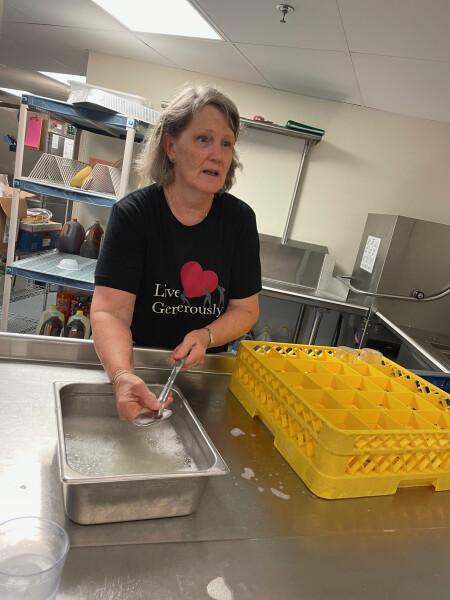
x=5 y=214
x=35 y=237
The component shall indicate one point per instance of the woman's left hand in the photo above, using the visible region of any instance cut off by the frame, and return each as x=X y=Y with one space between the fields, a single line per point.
x=193 y=347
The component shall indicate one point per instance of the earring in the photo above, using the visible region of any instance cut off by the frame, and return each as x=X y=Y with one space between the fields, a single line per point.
x=172 y=160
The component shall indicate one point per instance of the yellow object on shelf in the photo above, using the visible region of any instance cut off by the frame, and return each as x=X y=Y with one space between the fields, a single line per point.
x=80 y=178
x=347 y=429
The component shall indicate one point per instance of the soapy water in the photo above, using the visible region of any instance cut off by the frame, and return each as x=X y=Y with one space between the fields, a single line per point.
x=105 y=446
x=236 y=432
x=219 y=590
x=248 y=473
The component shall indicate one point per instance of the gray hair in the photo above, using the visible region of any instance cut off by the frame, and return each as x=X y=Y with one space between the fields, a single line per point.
x=152 y=163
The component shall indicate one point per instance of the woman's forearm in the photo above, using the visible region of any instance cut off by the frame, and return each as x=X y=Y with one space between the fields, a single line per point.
x=113 y=342
x=237 y=320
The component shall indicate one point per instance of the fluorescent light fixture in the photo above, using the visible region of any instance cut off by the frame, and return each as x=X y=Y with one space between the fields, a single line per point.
x=13 y=92
x=64 y=77
x=176 y=17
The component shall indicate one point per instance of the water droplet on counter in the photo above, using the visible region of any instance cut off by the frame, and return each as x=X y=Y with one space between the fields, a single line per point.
x=248 y=473
x=219 y=590
x=236 y=432
x=279 y=494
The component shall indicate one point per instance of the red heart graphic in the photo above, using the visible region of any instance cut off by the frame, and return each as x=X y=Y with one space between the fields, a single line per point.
x=194 y=279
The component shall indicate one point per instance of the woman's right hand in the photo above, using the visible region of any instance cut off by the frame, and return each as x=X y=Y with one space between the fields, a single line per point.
x=134 y=397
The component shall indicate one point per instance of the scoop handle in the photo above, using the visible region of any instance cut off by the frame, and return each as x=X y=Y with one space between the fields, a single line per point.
x=163 y=395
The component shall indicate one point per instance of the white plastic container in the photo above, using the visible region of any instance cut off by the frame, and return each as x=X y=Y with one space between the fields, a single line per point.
x=264 y=335
x=284 y=336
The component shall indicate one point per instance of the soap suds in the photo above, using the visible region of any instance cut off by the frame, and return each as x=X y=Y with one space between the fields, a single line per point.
x=248 y=473
x=260 y=489
x=100 y=446
x=236 y=432
x=218 y=589
x=279 y=494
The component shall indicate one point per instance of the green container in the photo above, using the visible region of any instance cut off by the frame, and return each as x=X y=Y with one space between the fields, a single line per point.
x=301 y=127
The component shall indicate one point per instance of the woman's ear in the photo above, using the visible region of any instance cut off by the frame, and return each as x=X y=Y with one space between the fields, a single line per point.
x=168 y=144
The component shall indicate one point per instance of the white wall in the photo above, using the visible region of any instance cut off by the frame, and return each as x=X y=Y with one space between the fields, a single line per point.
x=368 y=160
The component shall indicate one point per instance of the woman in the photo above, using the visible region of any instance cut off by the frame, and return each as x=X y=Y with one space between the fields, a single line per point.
x=179 y=267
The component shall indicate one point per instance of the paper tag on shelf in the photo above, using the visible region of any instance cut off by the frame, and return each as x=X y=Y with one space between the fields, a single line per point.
x=68 y=148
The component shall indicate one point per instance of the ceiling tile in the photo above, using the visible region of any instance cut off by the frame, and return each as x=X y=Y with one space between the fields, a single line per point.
x=316 y=73
x=16 y=54
x=313 y=24
x=35 y=45
x=405 y=28
x=12 y=14
x=418 y=88
x=75 y=13
x=220 y=59
x=71 y=44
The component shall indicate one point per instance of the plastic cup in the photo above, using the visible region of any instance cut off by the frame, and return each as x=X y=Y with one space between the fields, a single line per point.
x=370 y=356
x=347 y=354
x=32 y=556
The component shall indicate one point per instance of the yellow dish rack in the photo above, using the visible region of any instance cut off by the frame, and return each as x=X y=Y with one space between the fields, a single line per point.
x=347 y=429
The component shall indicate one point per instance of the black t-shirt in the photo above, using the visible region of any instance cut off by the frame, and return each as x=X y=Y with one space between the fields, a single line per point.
x=182 y=276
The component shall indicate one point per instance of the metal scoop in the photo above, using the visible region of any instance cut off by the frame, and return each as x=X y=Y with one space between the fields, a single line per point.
x=157 y=416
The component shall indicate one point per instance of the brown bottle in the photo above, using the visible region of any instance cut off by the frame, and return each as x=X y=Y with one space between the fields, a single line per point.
x=52 y=326
x=76 y=327
x=90 y=247
x=71 y=237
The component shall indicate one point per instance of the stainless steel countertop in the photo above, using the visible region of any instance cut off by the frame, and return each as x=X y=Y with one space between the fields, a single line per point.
x=264 y=547
x=434 y=346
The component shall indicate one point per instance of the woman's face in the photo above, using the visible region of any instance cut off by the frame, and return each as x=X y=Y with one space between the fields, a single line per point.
x=202 y=152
